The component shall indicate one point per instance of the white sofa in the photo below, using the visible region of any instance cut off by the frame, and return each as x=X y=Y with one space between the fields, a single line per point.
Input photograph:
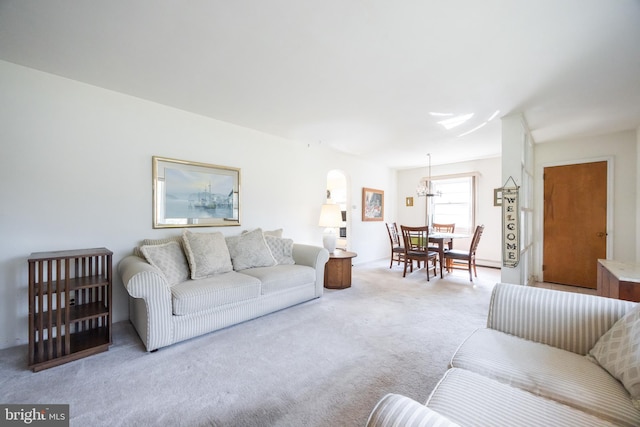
x=179 y=290
x=546 y=358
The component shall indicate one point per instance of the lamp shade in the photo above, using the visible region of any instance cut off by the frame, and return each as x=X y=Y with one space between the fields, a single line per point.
x=330 y=216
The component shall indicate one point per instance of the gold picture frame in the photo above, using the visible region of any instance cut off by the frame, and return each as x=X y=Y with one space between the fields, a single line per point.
x=372 y=204
x=194 y=194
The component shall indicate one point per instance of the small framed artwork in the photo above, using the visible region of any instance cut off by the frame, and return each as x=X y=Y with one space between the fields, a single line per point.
x=372 y=205
x=497 y=197
x=408 y=201
x=193 y=194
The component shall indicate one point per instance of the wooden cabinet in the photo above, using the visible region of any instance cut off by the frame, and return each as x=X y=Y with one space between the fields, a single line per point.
x=337 y=271
x=69 y=305
x=619 y=280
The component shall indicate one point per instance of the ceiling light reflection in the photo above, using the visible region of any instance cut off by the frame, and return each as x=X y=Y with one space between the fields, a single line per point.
x=455 y=121
x=494 y=115
x=474 y=129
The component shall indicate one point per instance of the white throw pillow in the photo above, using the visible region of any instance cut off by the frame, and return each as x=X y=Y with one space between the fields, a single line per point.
x=618 y=351
x=250 y=250
x=274 y=233
x=169 y=259
x=154 y=242
x=281 y=249
x=207 y=254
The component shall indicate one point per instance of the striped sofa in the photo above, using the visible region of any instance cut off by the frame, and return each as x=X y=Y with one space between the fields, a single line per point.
x=531 y=366
x=163 y=314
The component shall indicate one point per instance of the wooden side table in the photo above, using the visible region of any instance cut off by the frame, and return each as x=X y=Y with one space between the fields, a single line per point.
x=619 y=280
x=337 y=271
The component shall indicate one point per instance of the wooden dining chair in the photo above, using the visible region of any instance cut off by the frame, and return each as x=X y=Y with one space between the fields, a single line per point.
x=397 y=249
x=463 y=259
x=416 y=249
x=442 y=228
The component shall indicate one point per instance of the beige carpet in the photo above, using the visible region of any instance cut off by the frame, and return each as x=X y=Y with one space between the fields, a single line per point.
x=322 y=363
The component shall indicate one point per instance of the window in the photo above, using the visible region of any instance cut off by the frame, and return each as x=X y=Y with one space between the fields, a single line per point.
x=454 y=202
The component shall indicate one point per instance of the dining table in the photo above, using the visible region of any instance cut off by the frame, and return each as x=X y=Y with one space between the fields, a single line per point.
x=442 y=239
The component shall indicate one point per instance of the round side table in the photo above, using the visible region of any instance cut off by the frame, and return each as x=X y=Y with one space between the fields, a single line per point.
x=337 y=271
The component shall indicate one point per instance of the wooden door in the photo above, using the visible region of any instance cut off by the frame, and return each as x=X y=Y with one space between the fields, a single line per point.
x=575 y=223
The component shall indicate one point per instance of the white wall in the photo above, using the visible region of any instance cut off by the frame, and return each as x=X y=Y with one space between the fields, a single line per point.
x=75 y=172
x=489 y=177
x=623 y=148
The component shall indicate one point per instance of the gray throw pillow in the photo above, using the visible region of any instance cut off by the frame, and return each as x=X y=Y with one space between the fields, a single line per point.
x=153 y=242
x=207 y=254
x=281 y=249
x=250 y=250
x=618 y=351
x=274 y=233
x=169 y=259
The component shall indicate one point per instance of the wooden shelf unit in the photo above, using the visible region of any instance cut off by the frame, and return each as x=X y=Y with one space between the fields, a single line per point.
x=69 y=305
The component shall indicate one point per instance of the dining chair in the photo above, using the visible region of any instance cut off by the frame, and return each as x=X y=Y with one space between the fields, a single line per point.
x=442 y=228
x=463 y=259
x=416 y=249
x=397 y=249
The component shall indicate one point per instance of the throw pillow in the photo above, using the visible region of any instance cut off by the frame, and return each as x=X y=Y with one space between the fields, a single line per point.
x=147 y=242
x=274 y=233
x=250 y=250
x=207 y=254
x=618 y=351
x=281 y=249
x=169 y=259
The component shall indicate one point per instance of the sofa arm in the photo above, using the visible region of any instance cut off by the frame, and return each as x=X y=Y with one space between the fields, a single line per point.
x=397 y=410
x=315 y=257
x=312 y=256
x=565 y=320
x=140 y=278
x=152 y=309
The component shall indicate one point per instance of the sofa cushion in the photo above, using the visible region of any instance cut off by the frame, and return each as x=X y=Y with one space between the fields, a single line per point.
x=169 y=259
x=207 y=254
x=192 y=296
x=249 y=250
x=471 y=399
x=281 y=277
x=281 y=249
x=566 y=377
x=618 y=351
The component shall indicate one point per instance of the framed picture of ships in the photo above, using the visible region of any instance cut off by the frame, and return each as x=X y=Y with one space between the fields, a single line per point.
x=193 y=194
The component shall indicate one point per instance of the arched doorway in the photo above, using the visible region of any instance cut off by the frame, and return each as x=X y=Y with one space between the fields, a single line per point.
x=338 y=193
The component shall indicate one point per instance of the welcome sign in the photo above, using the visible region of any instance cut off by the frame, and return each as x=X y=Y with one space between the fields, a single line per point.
x=510 y=227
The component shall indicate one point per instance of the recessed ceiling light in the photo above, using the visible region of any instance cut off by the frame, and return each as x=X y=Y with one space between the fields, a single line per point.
x=455 y=121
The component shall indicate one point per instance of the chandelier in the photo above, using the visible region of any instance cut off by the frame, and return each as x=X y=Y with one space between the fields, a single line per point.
x=424 y=187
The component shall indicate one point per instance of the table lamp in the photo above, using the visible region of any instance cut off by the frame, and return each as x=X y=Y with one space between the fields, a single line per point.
x=330 y=218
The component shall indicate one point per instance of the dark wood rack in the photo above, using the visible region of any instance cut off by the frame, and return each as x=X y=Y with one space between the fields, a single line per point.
x=69 y=305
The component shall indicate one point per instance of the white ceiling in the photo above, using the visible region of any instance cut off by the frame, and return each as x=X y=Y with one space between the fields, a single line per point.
x=361 y=76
